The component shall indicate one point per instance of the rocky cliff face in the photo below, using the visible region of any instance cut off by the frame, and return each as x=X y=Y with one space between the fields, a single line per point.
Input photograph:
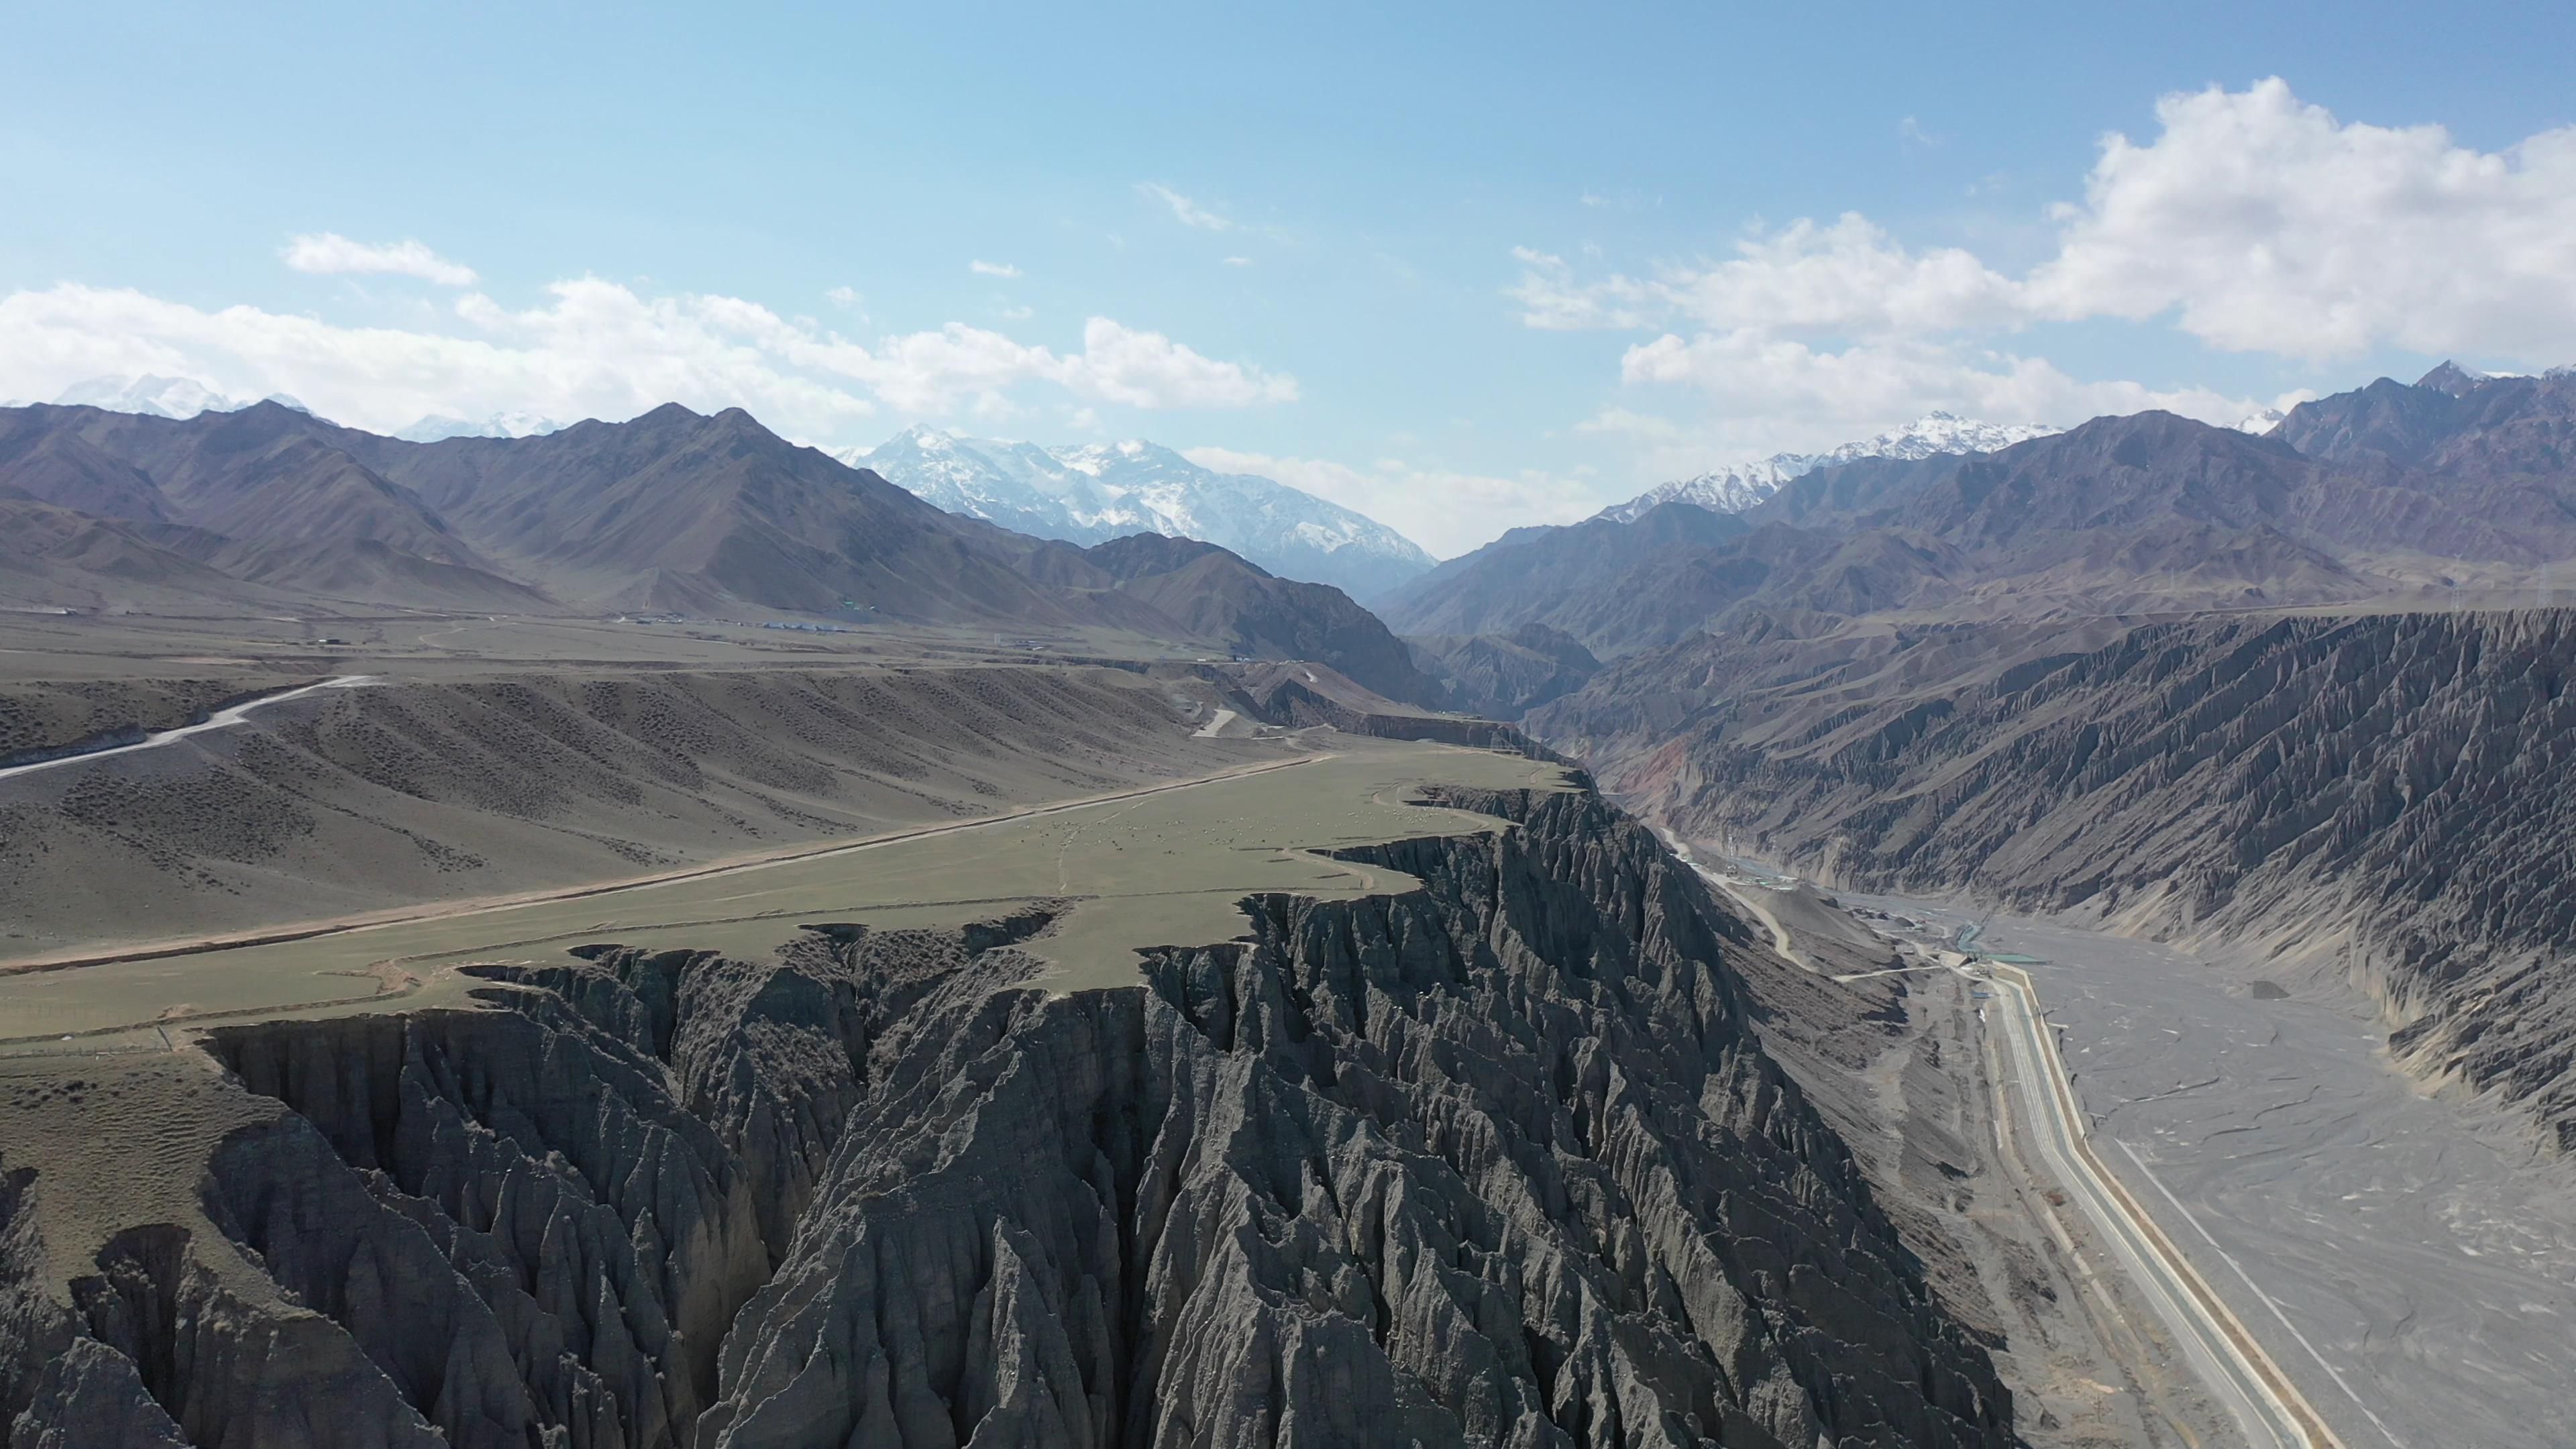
x=1494 y=1161
x=2389 y=796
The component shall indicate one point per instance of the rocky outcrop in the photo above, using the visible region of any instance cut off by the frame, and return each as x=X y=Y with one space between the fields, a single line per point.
x=1494 y=1162
x=2388 y=796
x=1498 y=1160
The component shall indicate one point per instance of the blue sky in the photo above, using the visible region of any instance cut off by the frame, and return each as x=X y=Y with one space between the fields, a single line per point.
x=1463 y=267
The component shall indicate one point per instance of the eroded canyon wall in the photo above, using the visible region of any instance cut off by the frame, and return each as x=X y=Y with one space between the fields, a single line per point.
x=1495 y=1161
x=2391 y=795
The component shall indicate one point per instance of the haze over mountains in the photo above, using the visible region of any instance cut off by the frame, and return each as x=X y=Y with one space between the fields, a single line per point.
x=1093 y=492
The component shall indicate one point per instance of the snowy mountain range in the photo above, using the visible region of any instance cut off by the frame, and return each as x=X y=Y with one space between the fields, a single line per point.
x=159 y=397
x=499 y=425
x=1736 y=488
x=1093 y=492
x=183 y=397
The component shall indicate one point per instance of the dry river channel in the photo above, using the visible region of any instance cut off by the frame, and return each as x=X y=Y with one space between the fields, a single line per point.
x=2409 y=1261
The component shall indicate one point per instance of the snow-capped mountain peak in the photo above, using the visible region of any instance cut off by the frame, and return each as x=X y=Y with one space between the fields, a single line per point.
x=1092 y=492
x=159 y=397
x=2260 y=423
x=162 y=397
x=1739 y=486
x=512 y=424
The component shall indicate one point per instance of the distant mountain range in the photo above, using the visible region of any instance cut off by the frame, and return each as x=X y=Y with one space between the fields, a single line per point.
x=1740 y=486
x=1094 y=492
x=160 y=397
x=271 y=509
x=2458 y=480
x=181 y=397
x=2304 y=685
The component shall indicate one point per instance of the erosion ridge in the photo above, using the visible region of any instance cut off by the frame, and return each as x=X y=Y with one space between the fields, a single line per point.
x=2384 y=797
x=1496 y=1161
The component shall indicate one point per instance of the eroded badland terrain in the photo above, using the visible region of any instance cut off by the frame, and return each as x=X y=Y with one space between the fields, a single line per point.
x=649 y=936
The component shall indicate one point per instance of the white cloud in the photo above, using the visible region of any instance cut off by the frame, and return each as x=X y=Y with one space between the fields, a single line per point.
x=1751 y=369
x=330 y=253
x=1238 y=261
x=2250 y=222
x=1147 y=369
x=2270 y=226
x=2258 y=222
x=1765 y=394
x=594 y=348
x=1912 y=130
x=1186 y=211
x=843 y=296
x=992 y=269
x=1841 y=278
x=1445 y=511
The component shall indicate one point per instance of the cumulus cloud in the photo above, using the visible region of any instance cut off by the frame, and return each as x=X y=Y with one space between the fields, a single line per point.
x=595 y=348
x=1756 y=370
x=330 y=253
x=2250 y=221
x=1184 y=210
x=1848 y=276
x=2258 y=222
x=1446 y=511
x=1147 y=369
x=2270 y=226
x=992 y=269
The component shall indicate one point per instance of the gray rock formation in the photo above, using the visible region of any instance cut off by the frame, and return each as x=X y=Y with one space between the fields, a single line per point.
x=1498 y=1161
x=2389 y=796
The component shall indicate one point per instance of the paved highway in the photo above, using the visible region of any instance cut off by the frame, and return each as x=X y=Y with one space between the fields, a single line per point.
x=2265 y=1404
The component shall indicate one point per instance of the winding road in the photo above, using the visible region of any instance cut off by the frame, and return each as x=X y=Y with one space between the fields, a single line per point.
x=2265 y=1404
x=221 y=719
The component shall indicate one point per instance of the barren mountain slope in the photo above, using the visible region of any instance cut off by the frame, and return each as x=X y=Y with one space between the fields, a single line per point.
x=696 y=506
x=1503 y=676
x=2149 y=512
x=1571 y=579
x=2388 y=796
x=668 y=512
x=267 y=472
x=1212 y=593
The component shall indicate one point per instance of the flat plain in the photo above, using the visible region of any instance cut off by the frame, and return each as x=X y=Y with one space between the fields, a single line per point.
x=1162 y=865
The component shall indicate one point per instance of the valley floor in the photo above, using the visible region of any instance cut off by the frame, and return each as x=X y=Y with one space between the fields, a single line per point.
x=2405 y=1258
